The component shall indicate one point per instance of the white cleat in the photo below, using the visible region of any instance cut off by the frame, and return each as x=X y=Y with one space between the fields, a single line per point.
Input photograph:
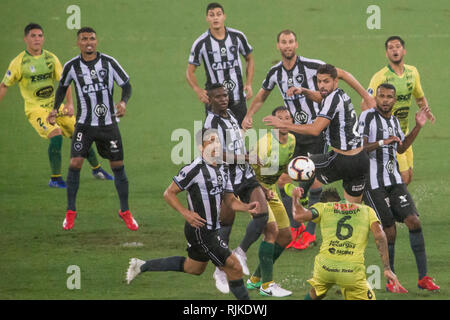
x=242 y=257
x=134 y=269
x=221 y=281
x=274 y=290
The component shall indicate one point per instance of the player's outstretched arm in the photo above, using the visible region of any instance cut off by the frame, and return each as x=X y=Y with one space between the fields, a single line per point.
x=170 y=196
x=256 y=104
x=423 y=103
x=237 y=205
x=421 y=118
x=3 y=90
x=299 y=213
x=310 y=94
x=369 y=101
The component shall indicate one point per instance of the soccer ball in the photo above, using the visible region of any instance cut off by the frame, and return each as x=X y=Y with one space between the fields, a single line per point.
x=301 y=169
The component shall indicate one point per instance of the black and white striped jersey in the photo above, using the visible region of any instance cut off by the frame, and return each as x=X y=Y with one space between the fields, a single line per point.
x=342 y=132
x=233 y=143
x=303 y=74
x=383 y=160
x=222 y=61
x=205 y=185
x=94 y=86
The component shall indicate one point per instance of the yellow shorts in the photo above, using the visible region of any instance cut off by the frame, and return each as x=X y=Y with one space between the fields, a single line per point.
x=350 y=277
x=405 y=160
x=37 y=116
x=277 y=212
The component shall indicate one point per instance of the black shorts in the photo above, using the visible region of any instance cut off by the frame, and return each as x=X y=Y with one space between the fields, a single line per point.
x=245 y=188
x=308 y=145
x=239 y=109
x=107 y=139
x=393 y=203
x=352 y=170
x=205 y=245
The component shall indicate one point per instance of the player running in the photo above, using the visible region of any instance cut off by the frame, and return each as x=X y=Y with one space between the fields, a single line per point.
x=345 y=229
x=207 y=182
x=36 y=70
x=406 y=80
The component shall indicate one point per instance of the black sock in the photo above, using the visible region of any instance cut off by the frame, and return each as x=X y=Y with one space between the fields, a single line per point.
x=121 y=183
x=254 y=229
x=72 y=182
x=314 y=196
x=238 y=289
x=224 y=233
x=310 y=228
x=287 y=202
x=417 y=243
x=175 y=263
x=391 y=251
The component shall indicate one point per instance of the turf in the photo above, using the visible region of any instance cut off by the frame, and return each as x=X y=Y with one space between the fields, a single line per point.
x=152 y=40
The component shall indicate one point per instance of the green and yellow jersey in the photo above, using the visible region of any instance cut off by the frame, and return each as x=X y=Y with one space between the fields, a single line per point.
x=274 y=156
x=36 y=76
x=407 y=86
x=345 y=229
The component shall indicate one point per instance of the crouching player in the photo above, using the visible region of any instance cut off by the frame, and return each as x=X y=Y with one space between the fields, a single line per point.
x=207 y=182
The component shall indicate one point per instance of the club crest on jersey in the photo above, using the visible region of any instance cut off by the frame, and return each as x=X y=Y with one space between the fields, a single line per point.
x=78 y=146
x=299 y=78
x=102 y=74
x=233 y=49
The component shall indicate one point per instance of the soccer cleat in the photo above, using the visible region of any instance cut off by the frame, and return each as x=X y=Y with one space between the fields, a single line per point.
x=101 y=174
x=69 y=220
x=221 y=281
x=129 y=220
x=426 y=283
x=295 y=232
x=134 y=269
x=304 y=241
x=390 y=287
x=242 y=257
x=253 y=285
x=274 y=290
x=57 y=183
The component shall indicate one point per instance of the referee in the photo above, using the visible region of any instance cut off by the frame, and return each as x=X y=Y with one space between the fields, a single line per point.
x=94 y=74
x=207 y=183
x=219 y=48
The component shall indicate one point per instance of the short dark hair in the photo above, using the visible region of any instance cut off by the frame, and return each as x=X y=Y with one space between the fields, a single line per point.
x=202 y=134
x=86 y=30
x=328 y=69
x=387 y=86
x=286 y=32
x=30 y=27
x=280 y=108
x=392 y=38
x=214 y=5
x=215 y=86
x=330 y=195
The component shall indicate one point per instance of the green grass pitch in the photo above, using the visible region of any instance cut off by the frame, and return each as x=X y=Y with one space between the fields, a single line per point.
x=152 y=39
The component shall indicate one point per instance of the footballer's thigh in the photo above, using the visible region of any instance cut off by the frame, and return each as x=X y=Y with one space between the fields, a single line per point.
x=38 y=120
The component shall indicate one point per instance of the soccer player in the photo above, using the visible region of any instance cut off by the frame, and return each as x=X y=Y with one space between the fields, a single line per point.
x=345 y=229
x=347 y=160
x=386 y=193
x=243 y=179
x=94 y=74
x=275 y=149
x=35 y=70
x=220 y=48
x=406 y=80
x=207 y=182
x=297 y=71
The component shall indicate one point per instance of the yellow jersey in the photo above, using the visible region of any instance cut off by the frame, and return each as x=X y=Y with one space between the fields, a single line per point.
x=36 y=76
x=407 y=86
x=345 y=229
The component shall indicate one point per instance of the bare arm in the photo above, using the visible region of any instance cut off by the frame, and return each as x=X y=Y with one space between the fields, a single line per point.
x=192 y=80
x=423 y=103
x=368 y=100
x=421 y=118
x=236 y=205
x=310 y=94
x=3 y=90
x=249 y=72
x=300 y=213
x=256 y=104
x=313 y=129
x=374 y=145
x=170 y=196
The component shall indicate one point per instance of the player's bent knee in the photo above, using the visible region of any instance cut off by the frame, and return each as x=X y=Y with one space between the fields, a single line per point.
x=76 y=163
x=233 y=268
x=271 y=232
x=54 y=133
x=412 y=222
x=284 y=237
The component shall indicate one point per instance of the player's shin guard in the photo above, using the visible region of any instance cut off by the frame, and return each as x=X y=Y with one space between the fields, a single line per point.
x=73 y=182
x=254 y=229
x=238 y=289
x=417 y=243
x=121 y=183
x=54 y=154
x=175 y=263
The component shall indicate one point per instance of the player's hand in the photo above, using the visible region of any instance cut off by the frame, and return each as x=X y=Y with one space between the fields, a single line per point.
x=423 y=115
x=52 y=117
x=269 y=194
x=292 y=91
x=248 y=92
x=68 y=110
x=392 y=279
x=298 y=192
x=121 y=108
x=194 y=219
x=202 y=95
x=392 y=139
x=247 y=123
x=253 y=207
x=274 y=122
x=370 y=102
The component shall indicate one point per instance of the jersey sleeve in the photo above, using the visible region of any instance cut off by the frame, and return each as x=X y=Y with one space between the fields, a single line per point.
x=329 y=106
x=372 y=216
x=245 y=48
x=228 y=185
x=364 y=127
x=13 y=74
x=195 y=54
x=58 y=69
x=186 y=177
x=66 y=76
x=119 y=74
x=374 y=83
x=270 y=81
x=417 y=92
